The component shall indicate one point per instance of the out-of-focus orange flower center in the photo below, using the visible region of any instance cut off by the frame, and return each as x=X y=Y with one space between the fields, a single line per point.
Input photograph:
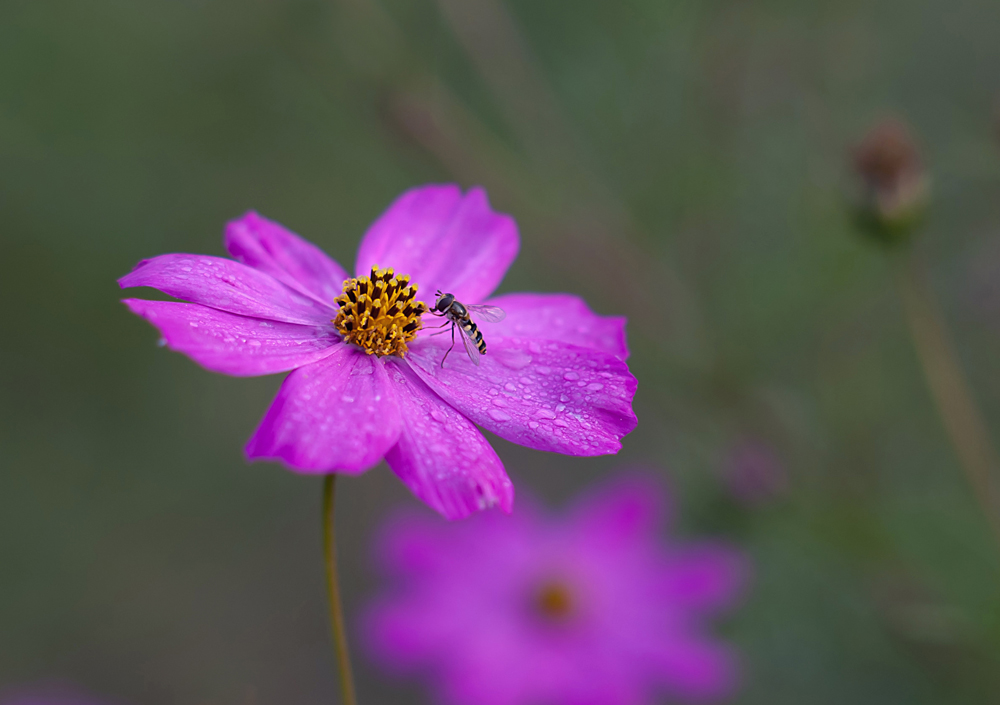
x=554 y=601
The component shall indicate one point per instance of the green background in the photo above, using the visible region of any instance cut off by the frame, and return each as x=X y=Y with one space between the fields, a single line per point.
x=683 y=162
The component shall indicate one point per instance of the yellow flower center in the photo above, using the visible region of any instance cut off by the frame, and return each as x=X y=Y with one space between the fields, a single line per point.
x=378 y=313
x=554 y=601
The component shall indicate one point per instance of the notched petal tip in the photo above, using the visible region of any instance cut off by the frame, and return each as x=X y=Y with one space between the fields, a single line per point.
x=443 y=239
x=338 y=414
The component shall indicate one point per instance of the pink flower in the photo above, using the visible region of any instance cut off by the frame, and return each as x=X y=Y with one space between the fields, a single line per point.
x=587 y=608
x=367 y=380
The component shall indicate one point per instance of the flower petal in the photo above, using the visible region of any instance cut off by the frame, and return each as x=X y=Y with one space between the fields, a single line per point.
x=443 y=240
x=227 y=286
x=440 y=455
x=562 y=317
x=694 y=668
x=704 y=578
x=270 y=247
x=231 y=344
x=624 y=510
x=545 y=395
x=335 y=415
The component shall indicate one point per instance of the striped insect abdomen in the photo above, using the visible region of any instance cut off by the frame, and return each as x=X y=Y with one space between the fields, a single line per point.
x=477 y=337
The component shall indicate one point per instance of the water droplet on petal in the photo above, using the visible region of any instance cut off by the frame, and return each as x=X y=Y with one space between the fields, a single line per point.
x=571 y=376
x=498 y=415
x=514 y=359
x=595 y=387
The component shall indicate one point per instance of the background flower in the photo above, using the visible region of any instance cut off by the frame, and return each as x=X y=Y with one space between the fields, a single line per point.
x=591 y=606
x=366 y=381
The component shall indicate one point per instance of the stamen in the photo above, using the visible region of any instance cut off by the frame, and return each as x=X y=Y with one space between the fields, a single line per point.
x=378 y=314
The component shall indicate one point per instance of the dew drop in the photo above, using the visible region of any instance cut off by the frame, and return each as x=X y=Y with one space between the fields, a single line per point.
x=595 y=387
x=545 y=414
x=438 y=415
x=514 y=359
x=571 y=376
x=511 y=387
x=532 y=425
x=498 y=415
x=499 y=401
x=193 y=324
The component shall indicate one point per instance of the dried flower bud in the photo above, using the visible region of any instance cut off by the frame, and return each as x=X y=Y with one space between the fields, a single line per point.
x=896 y=186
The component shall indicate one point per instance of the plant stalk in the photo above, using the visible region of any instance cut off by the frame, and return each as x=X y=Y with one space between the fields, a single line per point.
x=960 y=415
x=333 y=592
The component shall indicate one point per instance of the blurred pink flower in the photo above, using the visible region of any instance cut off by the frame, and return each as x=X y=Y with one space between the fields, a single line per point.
x=754 y=473
x=588 y=608
x=367 y=381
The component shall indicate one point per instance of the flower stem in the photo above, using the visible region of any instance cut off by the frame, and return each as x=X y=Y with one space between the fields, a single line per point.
x=333 y=592
x=959 y=413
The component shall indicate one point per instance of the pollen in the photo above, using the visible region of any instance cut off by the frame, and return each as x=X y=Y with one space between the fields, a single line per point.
x=378 y=312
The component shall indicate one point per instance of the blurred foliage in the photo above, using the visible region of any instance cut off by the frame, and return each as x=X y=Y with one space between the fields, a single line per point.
x=682 y=162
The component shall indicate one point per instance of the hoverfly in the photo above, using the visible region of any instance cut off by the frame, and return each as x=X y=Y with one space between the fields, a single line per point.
x=457 y=313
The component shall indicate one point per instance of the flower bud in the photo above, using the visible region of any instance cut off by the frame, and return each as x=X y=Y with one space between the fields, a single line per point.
x=895 y=184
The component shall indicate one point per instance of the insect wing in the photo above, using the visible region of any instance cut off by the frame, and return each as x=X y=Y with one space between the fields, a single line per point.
x=470 y=346
x=485 y=312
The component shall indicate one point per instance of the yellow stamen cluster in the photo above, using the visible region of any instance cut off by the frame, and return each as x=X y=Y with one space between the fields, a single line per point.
x=378 y=313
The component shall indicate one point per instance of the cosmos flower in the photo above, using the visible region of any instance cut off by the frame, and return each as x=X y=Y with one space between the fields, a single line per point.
x=590 y=607
x=367 y=378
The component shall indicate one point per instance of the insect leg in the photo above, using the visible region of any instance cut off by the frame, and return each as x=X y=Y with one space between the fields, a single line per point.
x=453 y=324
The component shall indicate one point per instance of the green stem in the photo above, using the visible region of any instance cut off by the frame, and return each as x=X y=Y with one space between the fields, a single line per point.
x=959 y=413
x=333 y=592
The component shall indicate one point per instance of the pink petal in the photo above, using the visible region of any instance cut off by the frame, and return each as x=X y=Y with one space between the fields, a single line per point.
x=541 y=394
x=270 y=247
x=409 y=544
x=227 y=286
x=694 y=668
x=625 y=509
x=335 y=415
x=235 y=345
x=440 y=455
x=560 y=317
x=443 y=240
x=706 y=578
